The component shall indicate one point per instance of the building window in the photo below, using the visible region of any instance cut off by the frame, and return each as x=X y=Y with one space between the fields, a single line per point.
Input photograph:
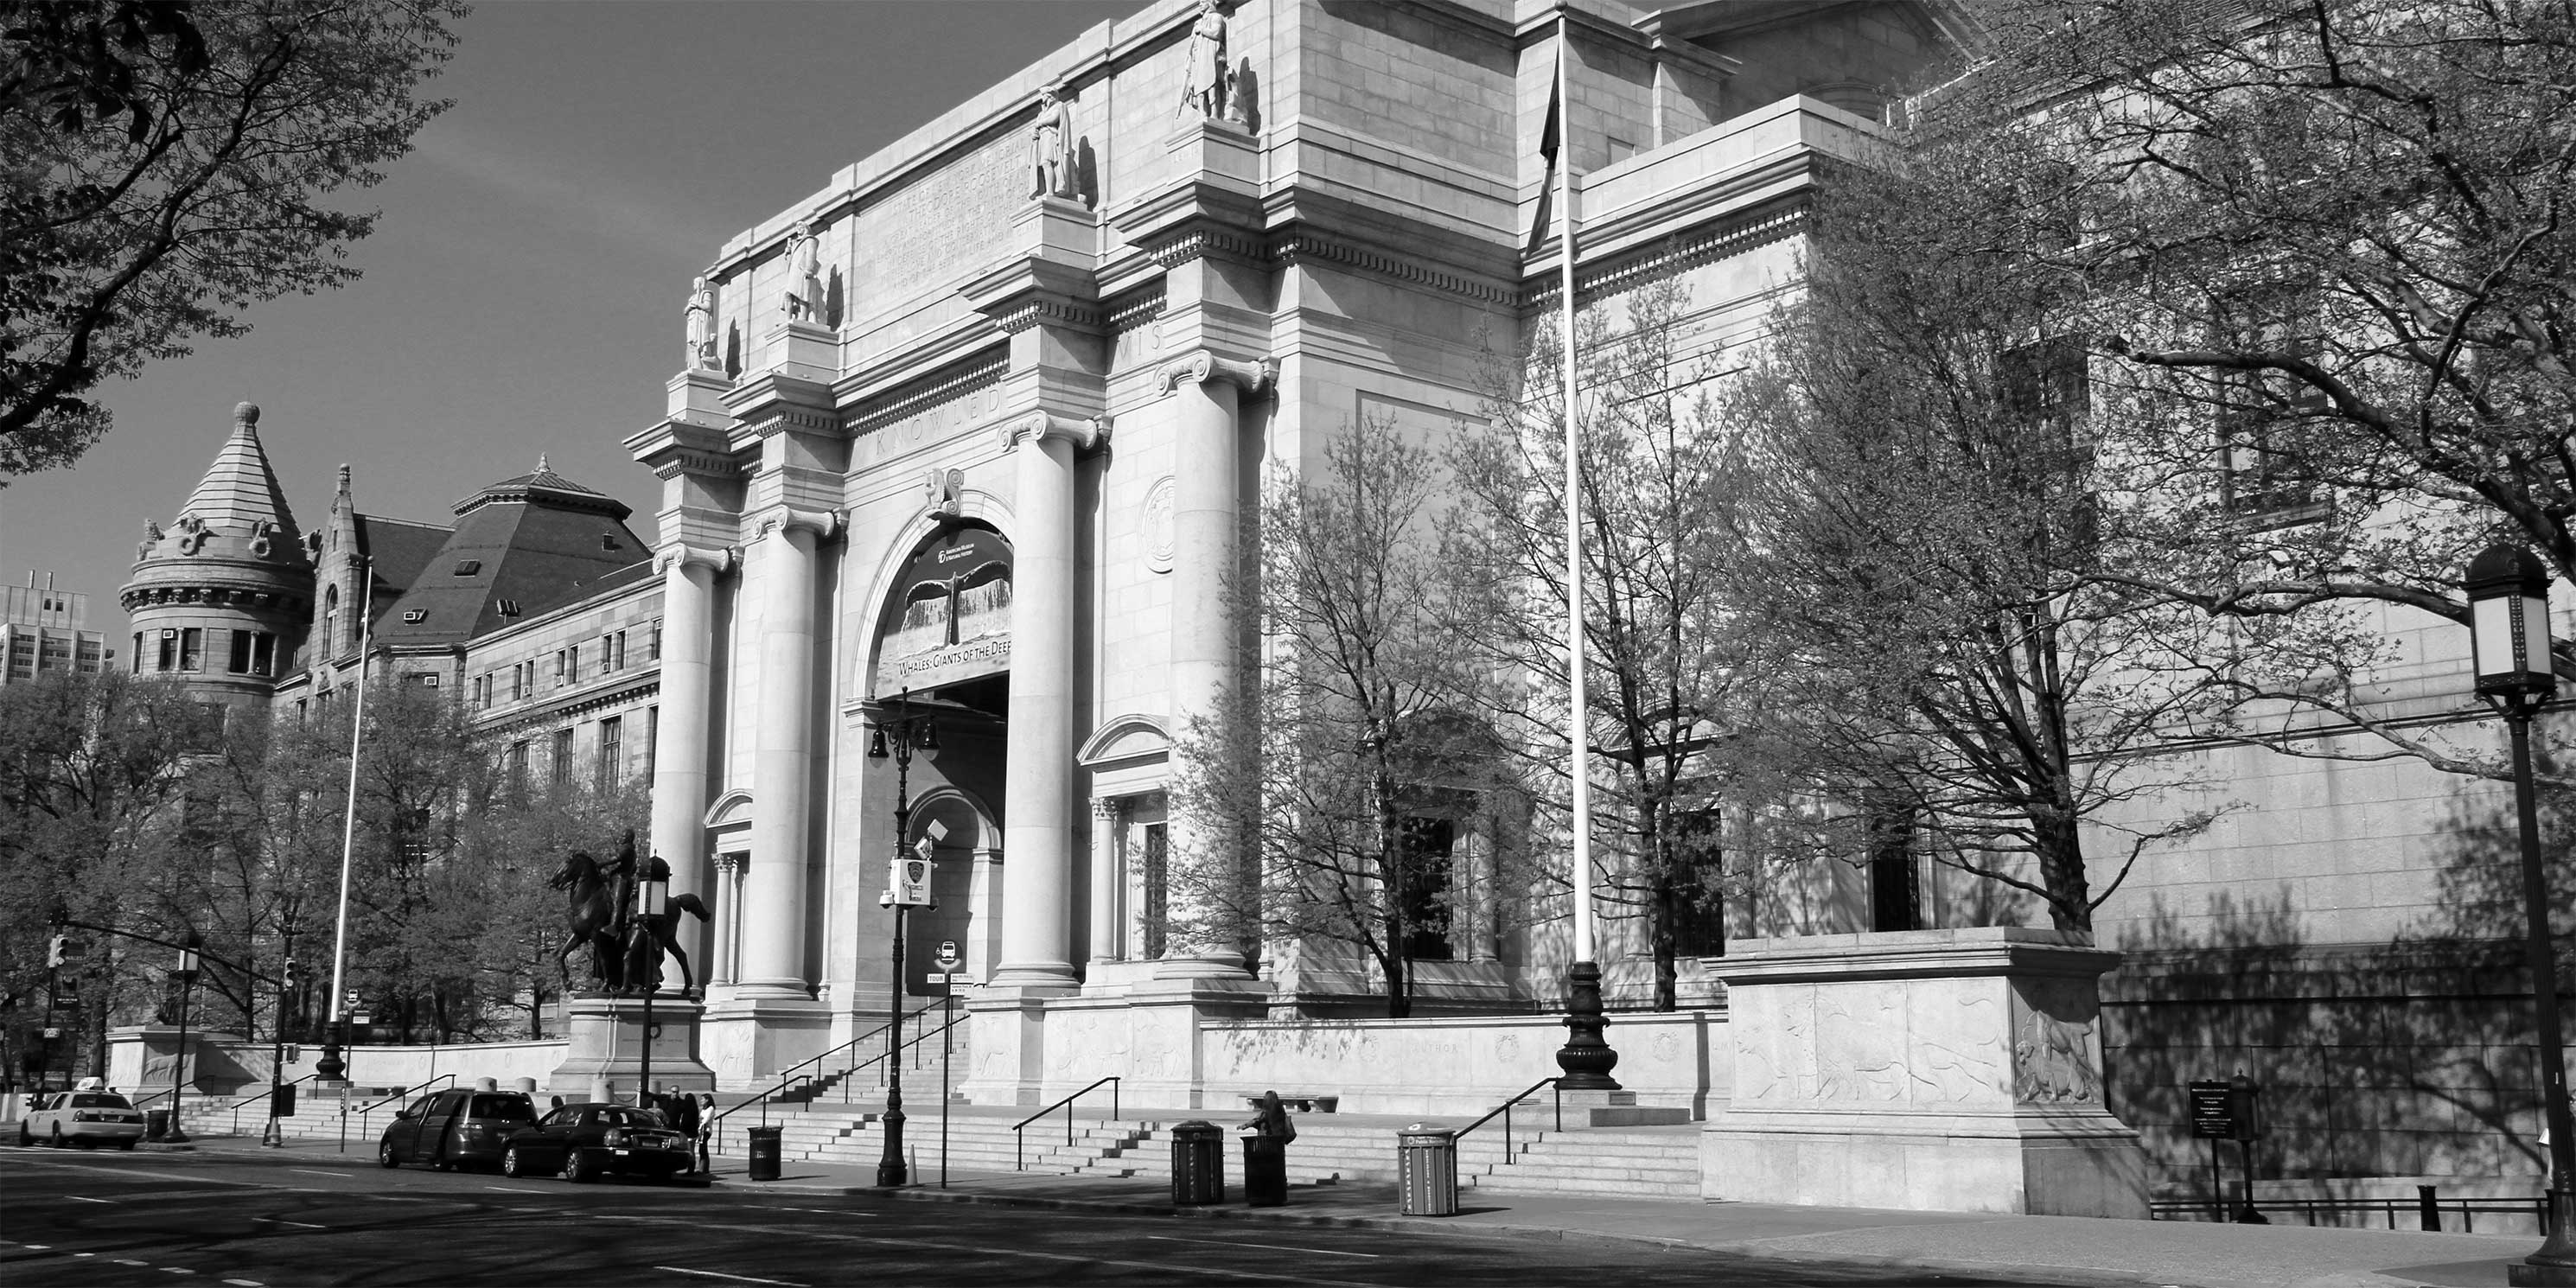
x=238 y=661
x=1895 y=894
x=263 y=653
x=300 y=710
x=621 y=650
x=612 y=752
x=562 y=768
x=656 y=654
x=2261 y=414
x=1424 y=894
x=169 y=660
x=1157 y=881
x=2046 y=386
x=192 y=648
x=1698 y=911
x=518 y=769
x=652 y=736
x=138 y=652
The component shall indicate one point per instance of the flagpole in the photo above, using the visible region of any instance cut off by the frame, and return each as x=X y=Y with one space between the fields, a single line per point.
x=332 y=1066
x=1586 y=1057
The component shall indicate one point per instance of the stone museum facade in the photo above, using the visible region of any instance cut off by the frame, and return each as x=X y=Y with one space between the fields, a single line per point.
x=973 y=432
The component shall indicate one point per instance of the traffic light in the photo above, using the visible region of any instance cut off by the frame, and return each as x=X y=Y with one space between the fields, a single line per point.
x=289 y=975
x=54 y=953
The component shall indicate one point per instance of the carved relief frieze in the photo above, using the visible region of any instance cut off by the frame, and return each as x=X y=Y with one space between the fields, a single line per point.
x=939 y=388
x=1676 y=254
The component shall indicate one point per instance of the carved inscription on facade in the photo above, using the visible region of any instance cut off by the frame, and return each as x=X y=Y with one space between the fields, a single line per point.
x=952 y=220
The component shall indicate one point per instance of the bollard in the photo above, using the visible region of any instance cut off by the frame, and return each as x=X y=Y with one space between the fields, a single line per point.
x=1198 y=1163
x=1427 y=1171
x=2429 y=1208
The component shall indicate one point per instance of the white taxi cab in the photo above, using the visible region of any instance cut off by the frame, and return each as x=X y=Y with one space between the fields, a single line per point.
x=92 y=1115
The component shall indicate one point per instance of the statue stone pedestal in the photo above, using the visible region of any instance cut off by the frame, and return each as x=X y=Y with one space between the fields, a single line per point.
x=1955 y=1070
x=606 y=1045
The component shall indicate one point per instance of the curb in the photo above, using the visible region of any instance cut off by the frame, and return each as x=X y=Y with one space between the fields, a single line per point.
x=2054 y=1276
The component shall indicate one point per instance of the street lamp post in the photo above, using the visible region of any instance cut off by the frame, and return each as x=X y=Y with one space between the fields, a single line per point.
x=910 y=732
x=652 y=899
x=2508 y=589
x=187 y=974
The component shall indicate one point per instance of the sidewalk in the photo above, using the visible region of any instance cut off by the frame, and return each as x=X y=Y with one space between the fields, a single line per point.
x=2046 y=1249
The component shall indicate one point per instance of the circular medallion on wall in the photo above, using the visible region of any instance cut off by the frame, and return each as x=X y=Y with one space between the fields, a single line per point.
x=1158 y=525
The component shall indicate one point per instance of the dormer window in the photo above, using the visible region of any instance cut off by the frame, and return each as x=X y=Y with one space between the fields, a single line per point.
x=608 y=541
x=414 y=616
x=468 y=567
x=507 y=607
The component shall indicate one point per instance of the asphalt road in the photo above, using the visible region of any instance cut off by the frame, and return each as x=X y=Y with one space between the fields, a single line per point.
x=100 y=1218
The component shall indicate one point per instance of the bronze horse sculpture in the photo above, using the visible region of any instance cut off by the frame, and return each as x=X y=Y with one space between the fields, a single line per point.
x=625 y=948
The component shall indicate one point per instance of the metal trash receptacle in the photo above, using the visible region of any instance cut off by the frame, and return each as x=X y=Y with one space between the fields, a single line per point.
x=156 y=1124
x=1427 y=1171
x=1265 y=1171
x=1198 y=1163
x=764 y=1152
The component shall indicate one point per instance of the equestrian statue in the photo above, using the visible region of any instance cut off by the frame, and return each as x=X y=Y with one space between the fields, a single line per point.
x=625 y=947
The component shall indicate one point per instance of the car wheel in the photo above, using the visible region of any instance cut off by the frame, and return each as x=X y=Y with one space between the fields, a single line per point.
x=58 y=1137
x=385 y=1155
x=26 y=1138
x=513 y=1163
x=577 y=1168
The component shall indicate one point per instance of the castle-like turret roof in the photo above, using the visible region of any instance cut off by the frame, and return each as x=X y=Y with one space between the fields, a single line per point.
x=240 y=491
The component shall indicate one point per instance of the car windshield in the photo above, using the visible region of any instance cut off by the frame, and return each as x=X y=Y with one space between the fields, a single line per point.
x=621 y=1116
x=513 y=1108
x=100 y=1102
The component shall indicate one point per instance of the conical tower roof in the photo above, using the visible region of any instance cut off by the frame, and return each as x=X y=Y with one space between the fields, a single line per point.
x=240 y=490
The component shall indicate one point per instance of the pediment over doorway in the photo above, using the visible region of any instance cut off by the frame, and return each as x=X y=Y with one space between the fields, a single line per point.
x=1125 y=740
x=731 y=810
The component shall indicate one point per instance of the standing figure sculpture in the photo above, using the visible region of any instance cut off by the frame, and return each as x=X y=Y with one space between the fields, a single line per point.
x=804 y=275
x=1203 y=80
x=702 y=326
x=1051 y=146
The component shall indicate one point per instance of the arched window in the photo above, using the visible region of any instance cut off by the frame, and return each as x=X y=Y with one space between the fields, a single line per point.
x=331 y=621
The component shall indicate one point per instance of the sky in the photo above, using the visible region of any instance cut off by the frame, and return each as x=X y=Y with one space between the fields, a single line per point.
x=522 y=292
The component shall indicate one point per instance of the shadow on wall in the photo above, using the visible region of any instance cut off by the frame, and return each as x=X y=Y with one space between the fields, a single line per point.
x=2410 y=1058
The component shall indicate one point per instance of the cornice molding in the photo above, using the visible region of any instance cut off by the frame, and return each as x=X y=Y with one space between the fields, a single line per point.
x=1305 y=244
x=944 y=385
x=1676 y=254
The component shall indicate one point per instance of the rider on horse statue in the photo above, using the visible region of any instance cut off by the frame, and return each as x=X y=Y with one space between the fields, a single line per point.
x=626 y=946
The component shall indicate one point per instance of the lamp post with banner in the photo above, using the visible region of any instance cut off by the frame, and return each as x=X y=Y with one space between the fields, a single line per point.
x=2508 y=590
x=907 y=887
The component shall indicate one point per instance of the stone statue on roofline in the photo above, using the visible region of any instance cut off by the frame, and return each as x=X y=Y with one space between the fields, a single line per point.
x=702 y=326
x=804 y=275
x=1203 y=81
x=1051 y=146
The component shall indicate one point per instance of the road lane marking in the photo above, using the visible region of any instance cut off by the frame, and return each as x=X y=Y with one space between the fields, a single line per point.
x=177 y=1270
x=1274 y=1247
x=245 y=1283
x=83 y=1198
x=1031 y=1254
x=718 y=1274
x=346 y=1176
x=512 y=1189
x=123 y=1262
x=279 y=1220
x=125 y=1172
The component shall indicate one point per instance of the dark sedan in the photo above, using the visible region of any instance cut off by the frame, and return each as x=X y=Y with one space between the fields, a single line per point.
x=583 y=1141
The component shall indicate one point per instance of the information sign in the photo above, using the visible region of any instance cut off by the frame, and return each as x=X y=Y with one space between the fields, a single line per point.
x=2209 y=1117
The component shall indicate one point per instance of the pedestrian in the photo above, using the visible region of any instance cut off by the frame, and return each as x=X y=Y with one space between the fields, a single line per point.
x=706 y=1128
x=684 y=1115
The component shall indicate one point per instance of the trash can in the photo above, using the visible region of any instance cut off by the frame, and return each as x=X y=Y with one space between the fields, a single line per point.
x=1198 y=1163
x=764 y=1152
x=156 y=1124
x=1265 y=1171
x=1427 y=1171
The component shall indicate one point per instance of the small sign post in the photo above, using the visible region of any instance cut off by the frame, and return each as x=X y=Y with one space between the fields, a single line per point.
x=2211 y=1121
x=949 y=960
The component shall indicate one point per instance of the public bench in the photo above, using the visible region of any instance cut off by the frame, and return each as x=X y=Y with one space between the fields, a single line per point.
x=1304 y=1104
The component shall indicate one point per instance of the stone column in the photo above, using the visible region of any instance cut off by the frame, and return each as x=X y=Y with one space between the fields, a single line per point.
x=1108 y=879
x=728 y=912
x=1037 y=810
x=1206 y=514
x=782 y=763
x=680 y=738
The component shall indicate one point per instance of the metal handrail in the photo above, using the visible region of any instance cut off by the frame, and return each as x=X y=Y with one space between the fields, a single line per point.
x=1019 y=1138
x=713 y=1129
x=2427 y=1206
x=241 y=1105
x=796 y=1076
x=1505 y=1109
x=368 y=1109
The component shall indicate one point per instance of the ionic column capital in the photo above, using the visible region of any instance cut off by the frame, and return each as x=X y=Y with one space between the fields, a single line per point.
x=824 y=524
x=1085 y=433
x=684 y=555
x=1202 y=366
